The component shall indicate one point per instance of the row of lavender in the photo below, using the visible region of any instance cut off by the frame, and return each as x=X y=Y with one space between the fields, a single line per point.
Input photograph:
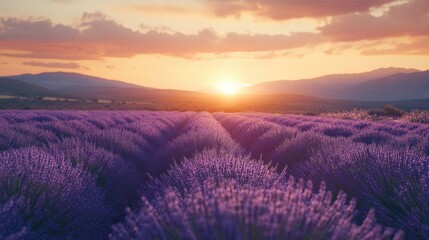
x=383 y=165
x=159 y=175
x=70 y=175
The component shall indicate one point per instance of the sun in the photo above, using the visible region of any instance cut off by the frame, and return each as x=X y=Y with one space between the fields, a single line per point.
x=228 y=88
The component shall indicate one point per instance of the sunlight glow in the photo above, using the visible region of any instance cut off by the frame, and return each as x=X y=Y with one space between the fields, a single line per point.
x=228 y=88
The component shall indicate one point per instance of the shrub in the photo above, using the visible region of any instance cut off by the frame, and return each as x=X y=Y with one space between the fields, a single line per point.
x=417 y=116
x=377 y=112
x=393 y=111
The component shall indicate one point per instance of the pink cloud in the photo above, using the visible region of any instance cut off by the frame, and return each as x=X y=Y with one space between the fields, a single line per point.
x=98 y=37
x=411 y=19
x=418 y=46
x=170 y=9
x=289 y=9
x=62 y=1
x=53 y=65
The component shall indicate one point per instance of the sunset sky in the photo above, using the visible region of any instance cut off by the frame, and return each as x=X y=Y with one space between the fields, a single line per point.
x=196 y=44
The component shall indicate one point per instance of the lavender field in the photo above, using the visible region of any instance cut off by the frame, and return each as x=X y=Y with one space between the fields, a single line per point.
x=170 y=175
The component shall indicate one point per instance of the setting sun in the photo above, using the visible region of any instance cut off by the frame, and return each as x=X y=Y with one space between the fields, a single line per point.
x=228 y=88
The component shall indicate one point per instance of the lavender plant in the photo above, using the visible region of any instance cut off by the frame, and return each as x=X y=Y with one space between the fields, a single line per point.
x=200 y=133
x=392 y=181
x=69 y=175
x=63 y=200
x=219 y=166
x=12 y=225
x=229 y=210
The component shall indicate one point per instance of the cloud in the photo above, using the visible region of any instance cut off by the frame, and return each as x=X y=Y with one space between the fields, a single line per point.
x=289 y=9
x=411 y=19
x=169 y=9
x=53 y=65
x=146 y=28
x=271 y=9
x=98 y=37
x=62 y=1
x=418 y=46
x=93 y=16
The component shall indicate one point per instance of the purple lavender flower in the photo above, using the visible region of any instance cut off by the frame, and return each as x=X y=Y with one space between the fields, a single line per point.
x=229 y=210
x=63 y=200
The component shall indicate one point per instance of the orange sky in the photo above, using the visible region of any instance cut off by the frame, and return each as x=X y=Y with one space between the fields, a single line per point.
x=196 y=44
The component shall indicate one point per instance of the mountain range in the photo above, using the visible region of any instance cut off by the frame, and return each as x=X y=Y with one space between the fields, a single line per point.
x=63 y=81
x=386 y=84
x=382 y=85
x=13 y=87
x=72 y=85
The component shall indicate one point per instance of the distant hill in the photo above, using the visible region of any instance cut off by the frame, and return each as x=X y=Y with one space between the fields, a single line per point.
x=398 y=87
x=64 y=81
x=75 y=85
x=327 y=93
x=129 y=96
x=12 y=87
x=326 y=86
x=356 y=78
